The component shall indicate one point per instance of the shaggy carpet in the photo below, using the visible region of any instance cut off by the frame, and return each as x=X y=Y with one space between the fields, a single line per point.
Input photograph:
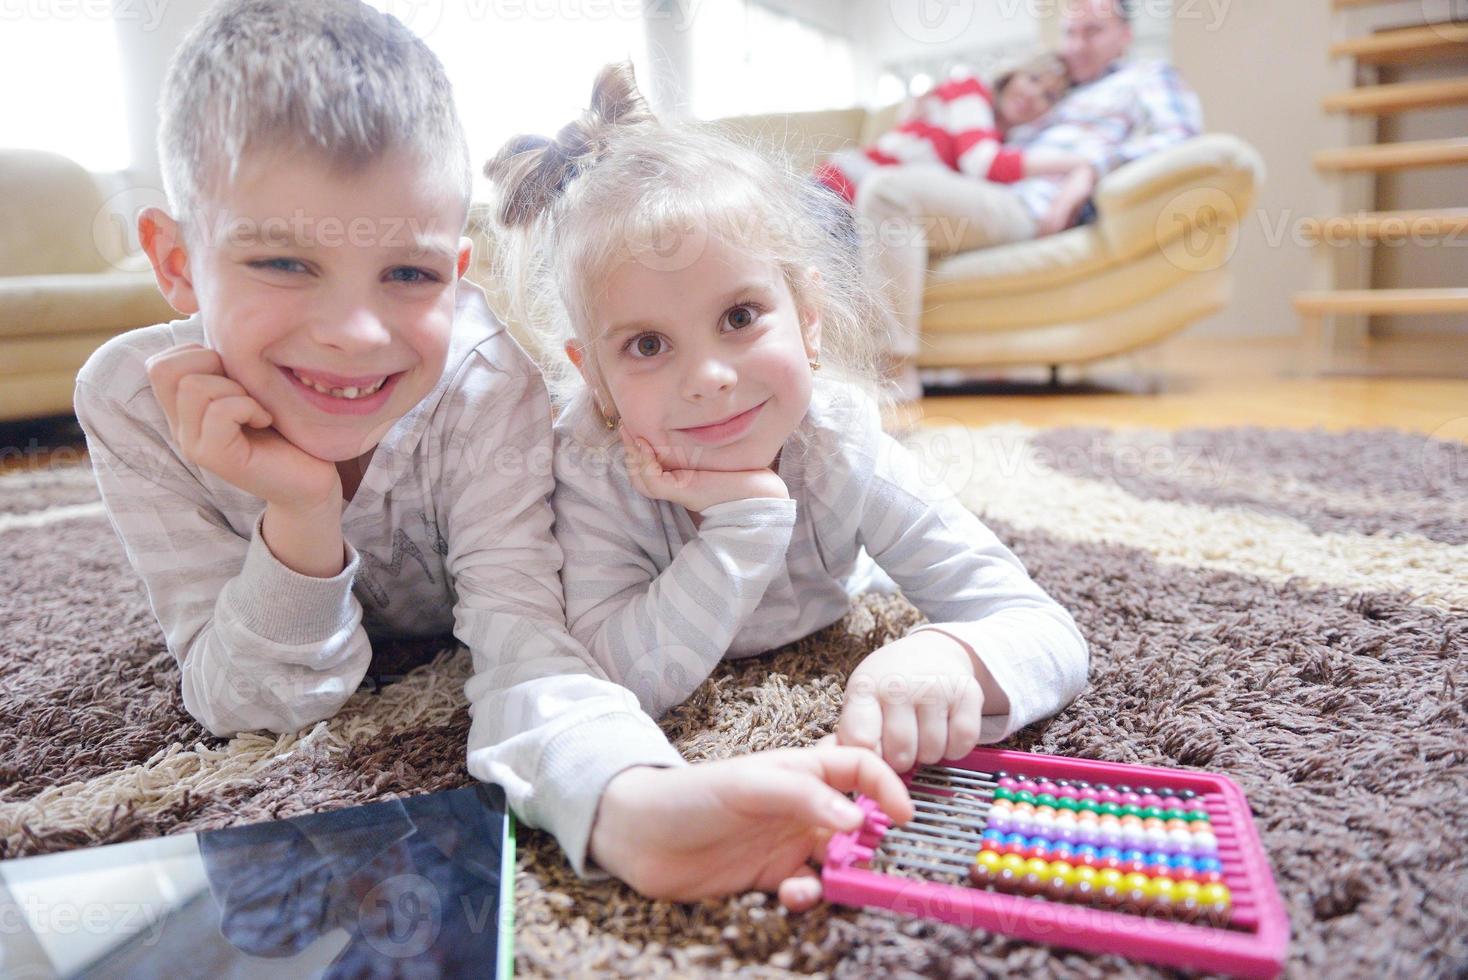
x=1289 y=608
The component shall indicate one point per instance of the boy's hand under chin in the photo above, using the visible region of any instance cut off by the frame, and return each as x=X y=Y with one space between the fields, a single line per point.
x=915 y=701
x=752 y=822
x=693 y=489
x=220 y=428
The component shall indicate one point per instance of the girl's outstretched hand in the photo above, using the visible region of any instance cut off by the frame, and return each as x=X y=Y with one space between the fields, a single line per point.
x=916 y=700
x=751 y=822
x=694 y=489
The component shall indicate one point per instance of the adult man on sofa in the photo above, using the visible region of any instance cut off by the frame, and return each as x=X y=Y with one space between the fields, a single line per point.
x=1118 y=111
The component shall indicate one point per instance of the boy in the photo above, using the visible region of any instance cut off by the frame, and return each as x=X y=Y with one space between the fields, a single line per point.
x=341 y=441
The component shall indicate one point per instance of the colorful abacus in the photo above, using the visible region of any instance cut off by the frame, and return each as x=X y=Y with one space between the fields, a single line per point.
x=1151 y=863
x=1113 y=845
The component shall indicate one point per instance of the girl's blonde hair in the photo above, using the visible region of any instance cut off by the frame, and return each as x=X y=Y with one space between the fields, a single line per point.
x=618 y=185
x=1048 y=63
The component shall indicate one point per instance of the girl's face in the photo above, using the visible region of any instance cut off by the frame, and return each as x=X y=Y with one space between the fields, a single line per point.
x=1027 y=96
x=709 y=362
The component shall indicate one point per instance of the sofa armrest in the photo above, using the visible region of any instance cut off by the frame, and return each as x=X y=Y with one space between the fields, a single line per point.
x=1149 y=202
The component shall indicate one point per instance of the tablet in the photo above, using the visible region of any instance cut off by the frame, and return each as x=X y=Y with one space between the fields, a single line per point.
x=416 y=887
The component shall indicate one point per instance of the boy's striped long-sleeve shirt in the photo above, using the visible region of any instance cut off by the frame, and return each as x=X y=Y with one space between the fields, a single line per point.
x=450 y=530
x=659 y=602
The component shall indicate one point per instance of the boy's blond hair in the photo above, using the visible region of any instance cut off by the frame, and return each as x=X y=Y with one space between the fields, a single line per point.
x=331 y=78
x=618 y=185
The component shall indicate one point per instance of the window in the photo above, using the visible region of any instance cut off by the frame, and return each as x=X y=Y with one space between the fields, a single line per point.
x=61 y=78
x=522 y=66
x=748 y=58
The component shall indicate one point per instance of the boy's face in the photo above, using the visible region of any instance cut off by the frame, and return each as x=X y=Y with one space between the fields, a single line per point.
x=330 y=296
x=708 y=363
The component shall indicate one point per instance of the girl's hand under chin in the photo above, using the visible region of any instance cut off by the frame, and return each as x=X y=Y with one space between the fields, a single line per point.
x=695 y=490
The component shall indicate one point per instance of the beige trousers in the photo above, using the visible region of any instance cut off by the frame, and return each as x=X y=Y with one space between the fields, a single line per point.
x=908 y=214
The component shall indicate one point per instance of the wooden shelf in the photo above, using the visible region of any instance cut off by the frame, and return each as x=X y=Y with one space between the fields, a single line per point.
x=1394 y=156
x=1398 y=97
x=1370 y=225
x=1407 y=44
x=1382 y=301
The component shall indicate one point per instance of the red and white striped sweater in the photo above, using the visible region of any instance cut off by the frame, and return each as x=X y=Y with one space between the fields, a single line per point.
x=954 y=127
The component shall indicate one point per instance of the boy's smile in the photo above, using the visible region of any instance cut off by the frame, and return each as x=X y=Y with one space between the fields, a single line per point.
x=329 y=296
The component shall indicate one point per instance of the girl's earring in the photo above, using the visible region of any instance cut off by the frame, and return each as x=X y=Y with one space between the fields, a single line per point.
x=815 y=363
x=611 y=422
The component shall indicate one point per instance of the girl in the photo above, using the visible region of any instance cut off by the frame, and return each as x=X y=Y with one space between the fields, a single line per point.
x=960 y=125
x=724 y=485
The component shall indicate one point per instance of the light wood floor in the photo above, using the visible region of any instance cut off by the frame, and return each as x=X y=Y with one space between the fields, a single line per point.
x=1405 y=383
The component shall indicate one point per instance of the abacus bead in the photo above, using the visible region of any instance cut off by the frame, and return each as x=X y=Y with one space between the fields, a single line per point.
x=1025 y=796
x=1209 y=864
x=1130 y=799
x=1214 y=895
x=1029 y=786
x=1205 y=842
x=1136 y=881
x=1152 y=799
x=1005 y=782
x=1019 y=839
x=989 y=859
x=993 y=833
x=1111 y=808
x=1110 y=852
x=1067 y=791
x=1160 y=889
x=1159 y=858
x=1109 y=798
x=1063 y=870
x=1020 y=806
x=1210 y=877
x=1152 y=825
x=1046 y=799
x=1196 y=815
x=1174 y=813
x=1188 y=889
x=1068 y=803
x=1183 y=874
x=1171 y=802
x=1151 y=812
x=1012 y=862
x=1057 y=890
x=1036 y=866
x=1134 y=867
x=1004 y=793
x=1181 y=861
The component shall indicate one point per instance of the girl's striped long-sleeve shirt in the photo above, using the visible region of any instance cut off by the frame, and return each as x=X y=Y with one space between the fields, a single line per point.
x=659 y=603
x=954 y=128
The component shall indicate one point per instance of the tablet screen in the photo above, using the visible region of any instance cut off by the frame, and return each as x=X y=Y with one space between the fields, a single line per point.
x=406 y=888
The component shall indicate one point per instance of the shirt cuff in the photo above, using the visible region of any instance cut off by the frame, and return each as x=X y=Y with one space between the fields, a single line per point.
x=281 y=605
x=751 y=512
x=577 y=765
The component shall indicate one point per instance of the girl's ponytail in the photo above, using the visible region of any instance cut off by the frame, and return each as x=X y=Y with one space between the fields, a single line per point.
x=532 y=171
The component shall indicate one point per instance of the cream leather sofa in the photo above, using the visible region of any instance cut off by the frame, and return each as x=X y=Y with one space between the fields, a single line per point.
x=60 y=295
x=1153 y=262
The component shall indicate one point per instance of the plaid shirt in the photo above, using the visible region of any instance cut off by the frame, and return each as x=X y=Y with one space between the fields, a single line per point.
x=1131 y=110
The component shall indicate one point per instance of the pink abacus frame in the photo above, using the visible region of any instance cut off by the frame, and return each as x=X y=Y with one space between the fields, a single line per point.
x=1253 y=945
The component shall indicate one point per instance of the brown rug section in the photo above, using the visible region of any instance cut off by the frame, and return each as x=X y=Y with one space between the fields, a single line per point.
x=1372 y=481
x=1342 y=716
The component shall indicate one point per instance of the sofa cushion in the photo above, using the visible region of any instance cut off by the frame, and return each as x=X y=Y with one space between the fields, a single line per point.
x=1178 y=200
x=48 y=205
x=44 y=306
